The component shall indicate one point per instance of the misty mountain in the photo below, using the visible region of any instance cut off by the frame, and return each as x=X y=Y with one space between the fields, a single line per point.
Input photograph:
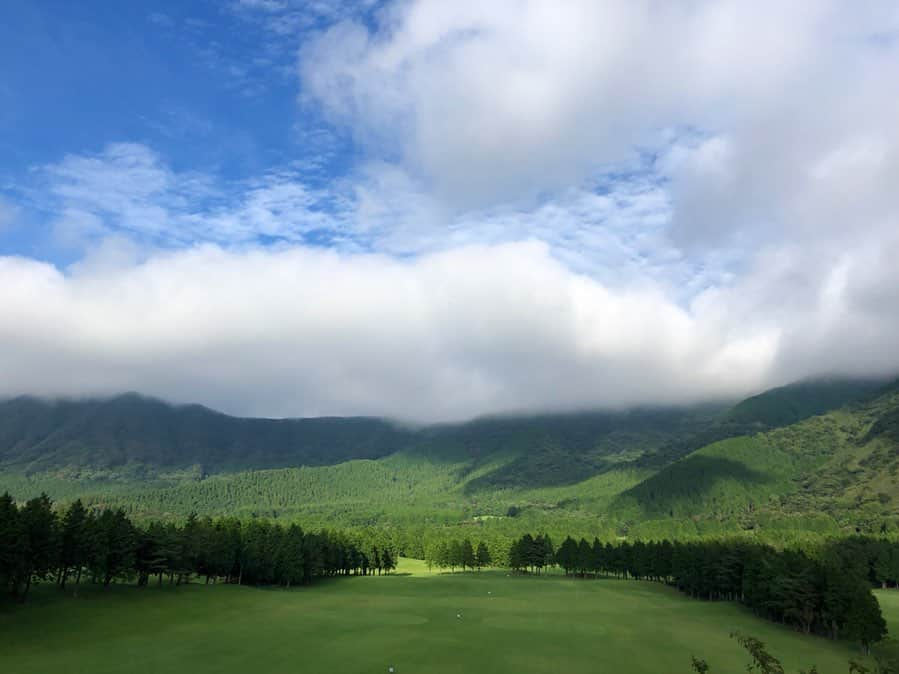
x=133 y=430
x=37 y=434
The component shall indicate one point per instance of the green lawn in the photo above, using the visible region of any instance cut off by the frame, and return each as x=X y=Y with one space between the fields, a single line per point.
x=889 y=604
x=507 y=624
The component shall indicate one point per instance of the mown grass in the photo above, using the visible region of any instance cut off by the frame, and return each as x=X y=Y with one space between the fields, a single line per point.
x=408 y=621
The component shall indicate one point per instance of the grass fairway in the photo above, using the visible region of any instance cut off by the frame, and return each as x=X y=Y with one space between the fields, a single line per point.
x=507 y=624
x=889 y=605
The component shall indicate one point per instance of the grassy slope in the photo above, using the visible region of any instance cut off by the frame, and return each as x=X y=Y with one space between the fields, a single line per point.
x=570 y=474
x=839 y=468
x=405 y=490
x=532 y=625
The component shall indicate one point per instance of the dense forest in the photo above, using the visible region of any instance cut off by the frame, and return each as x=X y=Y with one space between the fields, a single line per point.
x=783 y=466
x=38 y=543
x=825 y=592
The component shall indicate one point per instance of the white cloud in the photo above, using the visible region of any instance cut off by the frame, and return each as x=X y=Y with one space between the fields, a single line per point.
x=509 y=98
x=448 y=335
x=793 y=104
x=127 y=189
x=307 y=331
x=556 y=205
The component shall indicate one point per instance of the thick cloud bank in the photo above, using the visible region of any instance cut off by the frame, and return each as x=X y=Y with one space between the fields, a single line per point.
x=537 y=205
x=446 y=336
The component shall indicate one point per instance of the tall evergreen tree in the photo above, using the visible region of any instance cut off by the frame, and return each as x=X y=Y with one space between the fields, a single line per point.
x=482 y=556
x=454 y=554
x=40 y=543
x=76 y=542
x=864 y=621
x=290 y=562
x=388 y=560
x=467 y=559
x=12 y=550
x=114 y=553
x=442 y=555
x=567 y=555
x=584 y=557
x=150 y=555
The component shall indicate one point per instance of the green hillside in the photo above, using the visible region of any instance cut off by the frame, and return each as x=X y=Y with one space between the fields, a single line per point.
x=839 y=467
x=641 y=473
x=139 y=432
x=130 y=437
x=787 y=405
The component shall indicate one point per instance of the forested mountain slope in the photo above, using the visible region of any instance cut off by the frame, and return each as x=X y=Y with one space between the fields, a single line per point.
x=38 y=434
x=644 y=473
x=132 y=430
x=145 y=436
x=841 y=465
x=789 y=404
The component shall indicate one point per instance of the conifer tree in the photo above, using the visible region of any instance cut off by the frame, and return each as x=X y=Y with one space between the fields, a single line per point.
x=114 y=553
x=467 y=559
x=76 y=542
x=482 y=556
x=12 y=558
x=40 y=543
x=454 y=555
x=567 y=555
x=388 y=560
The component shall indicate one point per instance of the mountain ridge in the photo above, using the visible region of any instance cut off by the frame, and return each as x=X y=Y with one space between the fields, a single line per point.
x=644 y=473
x=131 y=428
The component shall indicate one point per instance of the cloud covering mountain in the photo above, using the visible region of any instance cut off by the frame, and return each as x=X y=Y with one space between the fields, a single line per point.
x=473 y=208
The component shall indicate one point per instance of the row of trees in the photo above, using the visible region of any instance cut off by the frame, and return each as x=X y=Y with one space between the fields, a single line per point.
x=39 y=543
x=530 y=553
x=455 y=554
x=827 y=593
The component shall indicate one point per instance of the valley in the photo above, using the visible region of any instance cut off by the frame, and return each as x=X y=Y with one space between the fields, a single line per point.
x=812 y=459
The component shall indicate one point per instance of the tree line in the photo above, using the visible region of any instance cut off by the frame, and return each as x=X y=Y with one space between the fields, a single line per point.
x=826 y=591
x=38 y=543
x=455 y=554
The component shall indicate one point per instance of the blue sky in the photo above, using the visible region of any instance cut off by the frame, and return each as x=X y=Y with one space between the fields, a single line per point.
x=436 y=210
x=210 y=92
x=206 y=84
x=210 y=87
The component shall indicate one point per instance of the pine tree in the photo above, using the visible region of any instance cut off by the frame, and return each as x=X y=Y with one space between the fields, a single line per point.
x=467 y=559
x=76 y=546
x=597 y=557
x=40 y=541
x=12 y=557
x=388 y=561
x=114 y=552
x=864 y=621
x=376 y=559
x=150 y=554
x=584 y=556
x=290 y=564
x=567 y=555
x=482 y=556
x=454 y=555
